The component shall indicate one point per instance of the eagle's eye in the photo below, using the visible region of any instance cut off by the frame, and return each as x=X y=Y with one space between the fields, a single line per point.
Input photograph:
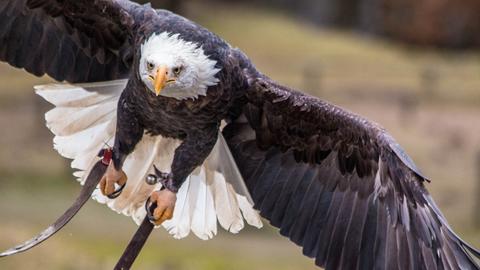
x=150 y=66
x=177 y=70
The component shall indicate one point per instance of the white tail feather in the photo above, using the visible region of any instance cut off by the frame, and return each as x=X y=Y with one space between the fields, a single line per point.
x=84 y=122
x=179 y=226
x=249 y=214
x=221 y=160
x=204 y=222
x=228 y=212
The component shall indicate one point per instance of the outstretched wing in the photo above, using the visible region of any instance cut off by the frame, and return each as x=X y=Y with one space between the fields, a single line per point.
x=339 y=185
x=72 y=40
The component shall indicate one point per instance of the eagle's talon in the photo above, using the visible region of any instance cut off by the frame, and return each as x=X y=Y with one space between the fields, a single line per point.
x=110 y=181
x=160 y=206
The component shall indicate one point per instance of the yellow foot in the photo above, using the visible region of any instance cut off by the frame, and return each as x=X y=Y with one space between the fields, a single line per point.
x=165 y=204
x=113 y=182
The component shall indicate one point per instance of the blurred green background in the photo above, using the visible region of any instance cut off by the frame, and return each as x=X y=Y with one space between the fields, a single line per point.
x=428 y=99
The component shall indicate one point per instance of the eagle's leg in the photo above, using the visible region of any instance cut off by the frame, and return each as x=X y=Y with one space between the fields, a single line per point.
x=191 y=153
x=128 y=133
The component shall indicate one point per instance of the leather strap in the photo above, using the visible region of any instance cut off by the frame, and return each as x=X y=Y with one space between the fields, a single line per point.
x=135 y=246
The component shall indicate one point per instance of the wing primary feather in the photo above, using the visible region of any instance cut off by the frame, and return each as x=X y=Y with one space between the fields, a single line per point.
x=448 y=257
x=328 y=228
x=337 y=239
x=428 y=258
x=293 y=209
x=414 y=252
x=403 y=256
x=21 y=53
x=351 y=252
x=270 y=198
x=286 y=194
x=264 y=180
x=248 y=169
x=15 y=39
x=380 y=240
x=391 y=258
x=314 y=229
x=367 y=250
x=307 y=206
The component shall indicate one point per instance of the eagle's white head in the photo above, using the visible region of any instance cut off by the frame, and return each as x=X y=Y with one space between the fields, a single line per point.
x=173 y=67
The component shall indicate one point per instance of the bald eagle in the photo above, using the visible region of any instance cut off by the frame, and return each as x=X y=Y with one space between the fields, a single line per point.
x=202 y=136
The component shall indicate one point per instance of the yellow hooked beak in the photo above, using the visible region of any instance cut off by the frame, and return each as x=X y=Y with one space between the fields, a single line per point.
x=160 y=80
